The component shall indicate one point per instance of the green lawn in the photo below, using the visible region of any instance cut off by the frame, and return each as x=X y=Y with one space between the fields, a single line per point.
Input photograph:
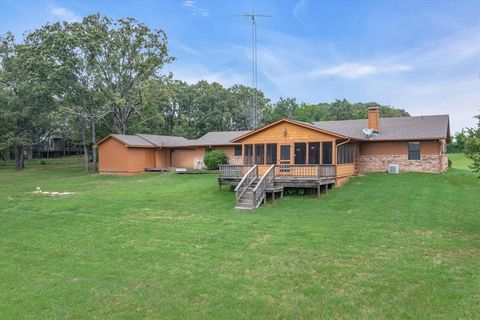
x=171 y=246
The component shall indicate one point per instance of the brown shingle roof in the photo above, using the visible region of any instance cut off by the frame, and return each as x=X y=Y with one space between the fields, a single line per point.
x=164 y=141
x=219 y=138
x=400 y=128
x=216 y=138
x=131 y=140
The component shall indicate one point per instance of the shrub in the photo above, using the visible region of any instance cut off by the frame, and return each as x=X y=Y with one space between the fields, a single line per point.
x=43 y=162
x=449 y=163
x=215 y=158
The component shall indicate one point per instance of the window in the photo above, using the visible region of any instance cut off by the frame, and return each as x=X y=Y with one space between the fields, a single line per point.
x=238 y=151
x=326 y=153
x=271 y=153
x=248 y=154
x=414 y=151
x=259 y=154
x=314 y=152
x=208 y=149
x=346 y=153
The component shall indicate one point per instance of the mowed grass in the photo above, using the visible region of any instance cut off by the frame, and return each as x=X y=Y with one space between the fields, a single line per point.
x=171 y=246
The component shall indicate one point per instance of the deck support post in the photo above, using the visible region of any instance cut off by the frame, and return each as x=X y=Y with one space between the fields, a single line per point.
x=318 y=191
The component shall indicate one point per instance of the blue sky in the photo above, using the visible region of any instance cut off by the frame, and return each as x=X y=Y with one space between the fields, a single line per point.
x=421 y=56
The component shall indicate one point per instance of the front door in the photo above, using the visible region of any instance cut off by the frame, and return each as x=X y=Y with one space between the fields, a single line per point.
x=300 y=153
x=285 y=154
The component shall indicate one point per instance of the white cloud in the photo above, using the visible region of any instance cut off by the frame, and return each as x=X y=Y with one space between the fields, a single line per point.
x=357 y=70
x=196 y=10
x=301 y=4
x=64 y=14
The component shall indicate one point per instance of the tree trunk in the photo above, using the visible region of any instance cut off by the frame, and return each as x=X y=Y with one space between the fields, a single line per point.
x=19 y=158
x=94 y=141
x=85 y=149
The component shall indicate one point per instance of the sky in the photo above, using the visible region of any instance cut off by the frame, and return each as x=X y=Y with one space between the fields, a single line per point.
x=421 y=56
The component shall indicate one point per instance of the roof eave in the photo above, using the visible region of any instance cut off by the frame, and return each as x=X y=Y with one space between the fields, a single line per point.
x=301 y=124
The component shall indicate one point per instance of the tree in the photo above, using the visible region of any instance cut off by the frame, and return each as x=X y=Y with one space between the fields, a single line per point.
x=124 y=55
x=458 y=143
x=284 y=108
x=241 y=109
x=341 y=110
x=472 y=146
x=26 y=79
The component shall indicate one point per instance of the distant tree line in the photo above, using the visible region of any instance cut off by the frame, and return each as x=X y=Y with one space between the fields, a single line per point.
x=84 y=80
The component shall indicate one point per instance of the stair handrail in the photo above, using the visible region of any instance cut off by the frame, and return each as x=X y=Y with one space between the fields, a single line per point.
x=246 y=181
x=265 y=180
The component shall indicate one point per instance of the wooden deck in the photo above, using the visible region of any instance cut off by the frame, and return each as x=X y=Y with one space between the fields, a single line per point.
x=251 y=187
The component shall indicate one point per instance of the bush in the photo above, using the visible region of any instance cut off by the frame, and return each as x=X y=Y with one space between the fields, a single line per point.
x=215 y=158
x=43 y=162
x=449 y=163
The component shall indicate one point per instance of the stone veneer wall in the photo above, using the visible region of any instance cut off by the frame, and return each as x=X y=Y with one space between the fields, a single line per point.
x=427 y=163
x=199 y=164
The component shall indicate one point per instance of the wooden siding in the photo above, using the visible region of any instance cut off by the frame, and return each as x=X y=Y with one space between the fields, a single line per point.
x=344 y=170
x=429 y=147
x=140 y=158
x=112 y=157
x=285 y=133
x=162 y=158
x=183 y=158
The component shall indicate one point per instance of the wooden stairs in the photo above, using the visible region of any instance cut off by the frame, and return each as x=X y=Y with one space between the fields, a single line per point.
x=251 y=191
x=246 y=200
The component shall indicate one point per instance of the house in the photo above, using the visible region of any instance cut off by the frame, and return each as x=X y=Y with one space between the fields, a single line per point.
x=289 y=153
x=130 y=154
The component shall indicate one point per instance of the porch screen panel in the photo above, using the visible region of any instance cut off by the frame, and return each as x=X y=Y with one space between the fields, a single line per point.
x=259 y=154
x=346 y=153
x=327 y=152
x=271 y=153
x=314 y=152
x=248 y=154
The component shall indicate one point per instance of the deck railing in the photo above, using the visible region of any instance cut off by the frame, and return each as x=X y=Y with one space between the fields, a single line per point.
x=246 y=181
x=309 y=171
x=287 y=171
x=233 y=171
x=266 y=181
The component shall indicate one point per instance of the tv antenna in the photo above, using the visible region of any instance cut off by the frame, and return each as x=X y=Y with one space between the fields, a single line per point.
x=253 y=16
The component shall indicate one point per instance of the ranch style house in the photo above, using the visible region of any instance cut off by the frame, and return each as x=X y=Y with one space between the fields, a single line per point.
x=290 y=153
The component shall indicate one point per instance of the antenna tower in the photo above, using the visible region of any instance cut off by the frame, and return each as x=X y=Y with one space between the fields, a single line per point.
x=253 y=16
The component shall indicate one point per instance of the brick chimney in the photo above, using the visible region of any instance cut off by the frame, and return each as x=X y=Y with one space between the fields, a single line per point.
x=374 y=118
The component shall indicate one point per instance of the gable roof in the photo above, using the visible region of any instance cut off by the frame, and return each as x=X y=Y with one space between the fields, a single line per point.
x=399 y=128
x=163 y=141
x=130 y=140
x=307 y=125
x=219 y=138
x=216 y=138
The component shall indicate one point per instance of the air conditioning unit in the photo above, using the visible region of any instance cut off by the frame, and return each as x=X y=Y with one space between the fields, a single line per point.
x=393 y=169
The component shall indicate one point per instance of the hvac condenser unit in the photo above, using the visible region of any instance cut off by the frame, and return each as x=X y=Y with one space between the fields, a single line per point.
x=393 y=169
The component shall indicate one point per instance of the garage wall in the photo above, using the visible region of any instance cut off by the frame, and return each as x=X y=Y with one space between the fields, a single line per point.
x=112 y=156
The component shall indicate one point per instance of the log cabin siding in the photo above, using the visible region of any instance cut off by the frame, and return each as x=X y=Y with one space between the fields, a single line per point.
x=344 y=170
x=285 y=133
